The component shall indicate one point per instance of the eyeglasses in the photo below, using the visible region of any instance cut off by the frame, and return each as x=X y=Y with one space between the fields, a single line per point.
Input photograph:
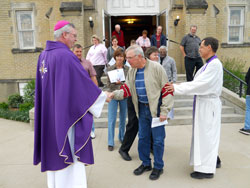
x=74 y=35
x=130 y=57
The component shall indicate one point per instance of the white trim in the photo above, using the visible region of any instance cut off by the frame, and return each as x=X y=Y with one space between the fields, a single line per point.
x=136 y=14
x=132 y=7
x=165 y=11
x=104 y=12
x=103 y=25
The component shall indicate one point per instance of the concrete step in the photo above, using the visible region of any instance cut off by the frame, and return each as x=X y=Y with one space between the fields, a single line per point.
x=180 y=120
x=180 y=78
x=183 y=103
x=225 y=118
x=189 y=110
x=178 y=111
x=103 y=122
x=176 y=97
x=177 y=103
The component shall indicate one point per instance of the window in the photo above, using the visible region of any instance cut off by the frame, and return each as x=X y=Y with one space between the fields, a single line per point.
x=21 y=88
x=236 y=25
x=25 y=29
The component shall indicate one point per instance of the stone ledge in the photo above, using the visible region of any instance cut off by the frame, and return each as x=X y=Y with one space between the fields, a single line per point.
x=226 y=45
x=234 y=99
x=176 y=6
x=15 y=80
x=196 y=4
x=18 y=50
x=71 y=6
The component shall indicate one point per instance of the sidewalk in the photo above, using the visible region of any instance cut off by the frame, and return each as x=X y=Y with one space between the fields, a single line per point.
x=110 y=171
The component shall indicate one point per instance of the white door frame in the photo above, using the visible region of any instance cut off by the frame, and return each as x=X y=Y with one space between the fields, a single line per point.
x=165 y=11
x=104 y=12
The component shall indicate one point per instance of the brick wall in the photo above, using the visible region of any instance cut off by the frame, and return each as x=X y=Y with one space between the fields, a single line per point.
x=23 y=65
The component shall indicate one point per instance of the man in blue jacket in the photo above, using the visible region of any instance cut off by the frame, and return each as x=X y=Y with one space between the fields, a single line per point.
x=158 y=39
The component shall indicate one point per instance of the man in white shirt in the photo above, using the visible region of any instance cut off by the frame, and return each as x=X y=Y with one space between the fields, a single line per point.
x=206 y=88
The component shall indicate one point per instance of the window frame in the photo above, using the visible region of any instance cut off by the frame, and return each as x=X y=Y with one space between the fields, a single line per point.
x=20 y=31
x=241 y=25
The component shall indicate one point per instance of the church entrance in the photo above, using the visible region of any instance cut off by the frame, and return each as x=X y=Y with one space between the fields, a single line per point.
x=133 y=16
x=132 y=26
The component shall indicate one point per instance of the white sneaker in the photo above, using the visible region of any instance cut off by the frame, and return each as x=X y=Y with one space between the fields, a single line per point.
x=92 y=135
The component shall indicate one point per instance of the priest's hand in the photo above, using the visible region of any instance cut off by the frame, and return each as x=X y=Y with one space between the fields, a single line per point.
x=162 y=118
x=169 y=87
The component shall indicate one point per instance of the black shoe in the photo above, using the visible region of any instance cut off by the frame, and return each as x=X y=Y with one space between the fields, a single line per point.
x=110 y=148
x=142 y=169
x=155 y=174
x=125 y=155
x=200 y=175
x=245 y=131
x=218 y=164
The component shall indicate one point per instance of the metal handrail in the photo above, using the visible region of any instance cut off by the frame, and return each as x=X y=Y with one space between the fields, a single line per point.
x=237 y=78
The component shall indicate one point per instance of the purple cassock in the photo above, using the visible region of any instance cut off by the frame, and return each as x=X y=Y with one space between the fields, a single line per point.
x=64 y=94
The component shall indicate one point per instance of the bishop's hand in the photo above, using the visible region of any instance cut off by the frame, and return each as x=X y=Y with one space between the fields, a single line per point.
x=110 y=96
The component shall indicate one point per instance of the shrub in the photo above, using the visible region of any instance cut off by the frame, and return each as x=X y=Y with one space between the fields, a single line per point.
x=15 y=100
x=25 y=107
x=29 y=92
x=236 y=67
x=15 y=115
x=4 y=106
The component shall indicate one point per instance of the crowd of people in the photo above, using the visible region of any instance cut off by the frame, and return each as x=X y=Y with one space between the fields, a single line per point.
x=141 y=79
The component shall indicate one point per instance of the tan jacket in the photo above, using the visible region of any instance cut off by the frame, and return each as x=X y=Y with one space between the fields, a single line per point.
x=155 y=78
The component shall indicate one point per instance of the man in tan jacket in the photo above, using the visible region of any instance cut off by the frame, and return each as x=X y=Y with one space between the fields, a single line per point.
x=145 y=83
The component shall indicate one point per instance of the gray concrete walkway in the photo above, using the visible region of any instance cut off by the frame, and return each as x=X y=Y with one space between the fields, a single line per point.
x=110 y=171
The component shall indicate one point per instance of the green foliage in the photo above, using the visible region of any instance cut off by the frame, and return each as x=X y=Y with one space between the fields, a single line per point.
x=23 y=103
x=4 y=106
x=15 y=100
x=26 y=107
x=15 y=115
x=236 y=67
x=29 y=92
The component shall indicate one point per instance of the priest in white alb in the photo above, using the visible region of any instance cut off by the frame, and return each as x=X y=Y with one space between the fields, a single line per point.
x=206 y=88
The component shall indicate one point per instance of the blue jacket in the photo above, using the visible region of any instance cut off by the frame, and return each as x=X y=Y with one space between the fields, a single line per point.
x=154 y=42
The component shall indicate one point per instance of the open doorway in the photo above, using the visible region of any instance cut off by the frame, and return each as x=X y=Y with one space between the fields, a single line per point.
x=132 y=26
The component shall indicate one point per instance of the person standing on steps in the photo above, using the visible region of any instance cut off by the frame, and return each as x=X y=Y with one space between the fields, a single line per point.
x=190 y=50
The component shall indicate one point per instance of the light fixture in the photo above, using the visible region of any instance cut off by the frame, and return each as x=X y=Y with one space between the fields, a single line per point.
x=91 y=23
x=176 y=20
x=130 y=21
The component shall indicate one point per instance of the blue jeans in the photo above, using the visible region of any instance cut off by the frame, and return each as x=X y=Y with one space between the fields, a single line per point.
x=158 y=134
x=247 y=118
x=112 y=112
